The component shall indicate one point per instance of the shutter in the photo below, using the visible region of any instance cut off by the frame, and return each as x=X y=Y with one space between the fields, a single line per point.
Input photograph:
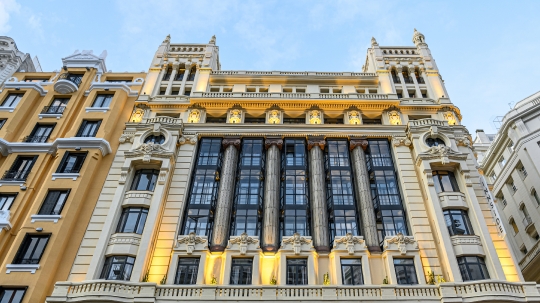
x=50 y=202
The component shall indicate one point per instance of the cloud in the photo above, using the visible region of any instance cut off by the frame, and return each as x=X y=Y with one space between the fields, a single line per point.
x=7 y=7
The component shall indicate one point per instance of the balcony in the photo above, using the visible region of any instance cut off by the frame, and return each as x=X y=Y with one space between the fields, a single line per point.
x=15 y=175
x=67 y=83
x=52 y=112
x=35 y=139
x=117 y=291
x=4 y=220
x=528 y=223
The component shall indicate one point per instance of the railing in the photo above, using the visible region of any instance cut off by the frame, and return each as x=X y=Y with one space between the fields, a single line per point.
x=117 y=291
x=295 y=95
x=164 y=120
x=283 y=73
x=76 y=79
x=15 y=175
x=533 y=252
x=427 y=121
x=53 y=110
x=35 y=139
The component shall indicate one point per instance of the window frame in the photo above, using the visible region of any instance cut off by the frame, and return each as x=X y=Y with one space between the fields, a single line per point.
x=296 y=279
x=451 y=213
x=85 y=124
x=102 y=99
x=26 y=245
x=246 y=275
x=15 y=289
x=140 y=220
x=406 y=266
x=480 y=262
x=49 y=127
x=192 y=275
x=109 y=263
x=151 y=186
x=7 y=196
x=358 y=267
x=152 y=138
x=77 y=165
x=17 y=97
x=58 y=199
x=440 y=184
x=15 y=168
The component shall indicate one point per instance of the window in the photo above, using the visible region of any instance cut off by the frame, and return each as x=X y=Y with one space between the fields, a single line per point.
x=522 y=171
x=371 y=121
x=503 y=199
x=75 y=78
x=204 y=188
x=31 y=249
x=155 y=139
x=435 y=142
x=103 y=100
x=6 y=200
x=514 y=226
x=472 y=268
x=445 y=181
x=511 y=146
x=535 y=196
x=186 y=273
x=167 y=74
x=458 y=222
x=88 y=128
x=241 y=271
x=36 y=80
x=145 y=179
x=191 y=76
x=2 y=122
x=54 y=202
x=71 y=163
x=249 y=189
x=119 y=80
x=351 y=272
x=132 y=220
x=57 y=106
x=512 y=186
x=405 y=271
x=40 y=134
x=493 y=176
x=502 y=162
x=20 y=169
x=12 y=100
x=393 y=222
x=12 y=295
x=523 y=249
x=180 y=75
x=297 y=272
x=118 y=268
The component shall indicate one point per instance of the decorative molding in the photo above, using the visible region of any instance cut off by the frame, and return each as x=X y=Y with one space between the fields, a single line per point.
x=442 y=153
x=401 y=242
x=37 y=86
x=45 y=218
x=7 y=148
x=188 y=139
x=127 y=138
x=231 y=142
x=112 y=85
x=354 y=143
x=316 y=141
x=273 y=141
x=463 y=141
x=148 y=150
x=22 y=268
x=73 y=176
x=125 y=238
x=399 y=141
x=351 y=242
x=190 y=241
x=242 y=241
x=97 y=109
x=4 y=219
x=296 y=241
x=466 y=240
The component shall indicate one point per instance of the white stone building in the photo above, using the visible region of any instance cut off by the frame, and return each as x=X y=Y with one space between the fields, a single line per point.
x=511 y=161
x=274 y=185
x=13 y=60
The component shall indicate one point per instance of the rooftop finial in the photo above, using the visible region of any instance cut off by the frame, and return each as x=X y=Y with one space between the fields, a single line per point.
x=213 y=40
x=418 y=38
x=167 y=39
x=374 y=42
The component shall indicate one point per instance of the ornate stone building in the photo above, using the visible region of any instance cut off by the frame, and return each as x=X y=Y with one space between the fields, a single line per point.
x=12 y=60
x=58 y=136
x=510 y=160
x=274 y=185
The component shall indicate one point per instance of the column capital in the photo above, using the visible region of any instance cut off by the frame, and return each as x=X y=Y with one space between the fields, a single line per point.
x=355 y=142
x=277 y=141
x=316 y=141
x=231 y=141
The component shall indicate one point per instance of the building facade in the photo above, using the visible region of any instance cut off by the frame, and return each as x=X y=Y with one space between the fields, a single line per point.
x=56 y=142
x=13 y=60
x=273 y=185
x=510 y=160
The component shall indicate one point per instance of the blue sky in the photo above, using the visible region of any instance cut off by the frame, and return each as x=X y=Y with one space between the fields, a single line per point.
x=488 y=53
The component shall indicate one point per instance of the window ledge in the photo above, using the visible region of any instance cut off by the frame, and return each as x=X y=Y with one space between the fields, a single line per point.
x=22 y=268
x=46 y=218
x=7 y=109
x=20 y=183
x=57 y=116
x=97 y=109
x=65 y=176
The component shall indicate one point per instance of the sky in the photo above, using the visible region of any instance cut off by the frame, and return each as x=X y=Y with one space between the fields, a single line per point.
x=488 y=52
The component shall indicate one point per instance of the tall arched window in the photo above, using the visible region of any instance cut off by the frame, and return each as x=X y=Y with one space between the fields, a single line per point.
x=192 y=73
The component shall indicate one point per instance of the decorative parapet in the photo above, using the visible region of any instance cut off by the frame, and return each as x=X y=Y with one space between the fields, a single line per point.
x=467 y=245
x=148 y=150
x=190 y=243
x=296 y=243
x=14 y=83
x=442 y=153
x=135 y=197
x=243 y=243
x=350 y=243
x=294 y=96
x=400 y=243
x=115 y=85
x=284 y=73
x=125 y=238
x=427 y=122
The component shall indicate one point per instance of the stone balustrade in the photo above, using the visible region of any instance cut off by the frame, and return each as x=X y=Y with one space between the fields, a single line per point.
x=283 y=73
x=427 y=121
x=116 y=291
x=293 y=95
x=164 y=120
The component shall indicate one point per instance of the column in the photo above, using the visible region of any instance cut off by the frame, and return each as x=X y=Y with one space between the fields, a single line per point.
x=404 y=91
x=317 y=189
x=171 y=79
x=222 y=221
x=160 y=77
x=416 y=86
x=430 y=92
x=186 y=75
x=363 y=193
x=270 y=234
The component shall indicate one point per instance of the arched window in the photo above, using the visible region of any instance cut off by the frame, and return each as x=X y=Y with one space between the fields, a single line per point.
x=434 y=142
x=192 y=72
x=155 y=139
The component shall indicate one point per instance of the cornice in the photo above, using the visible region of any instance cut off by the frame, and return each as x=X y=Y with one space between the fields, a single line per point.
x=115 y=85
x=103 y=145
x=16 y=84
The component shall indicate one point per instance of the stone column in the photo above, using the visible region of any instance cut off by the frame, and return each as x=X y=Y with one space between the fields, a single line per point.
x=186 y=75
x=159 y=79
x=317 y=189
x=272 y=180
x=363 y=193
x=222 y=219
x=171 y=79
x=418 y=92
x=404 y=91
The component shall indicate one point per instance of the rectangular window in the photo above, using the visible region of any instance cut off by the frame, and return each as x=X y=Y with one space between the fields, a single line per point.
x=204 y=188
x=75 y=78
x=472 y=268
x=132 y=220
x=393 y=222
x=88 y=128
x=186 y=273
x=2 y=122
x=12 y=295
x=241 y=271
x=405 y=271
x=371 y=121
x=40 y=133
x=297 y=272
x=20 y=169
x=58 y=105
x=351 y=272
x=71 y=163
x=535 y=196
x=118 y=268
x=502 y=162
x=6 y=200
x=103 y=100
x=445 y=181
x=12 y=100
x=31 y=249
x=145 y=179
x=493 y=176
x=522 y=171
x=512 y=186
x=294 y=189
x=54 y=202
x=457 y=222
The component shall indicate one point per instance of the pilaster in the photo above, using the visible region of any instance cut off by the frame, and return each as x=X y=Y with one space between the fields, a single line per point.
x=317 y=186
x=270 y=235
